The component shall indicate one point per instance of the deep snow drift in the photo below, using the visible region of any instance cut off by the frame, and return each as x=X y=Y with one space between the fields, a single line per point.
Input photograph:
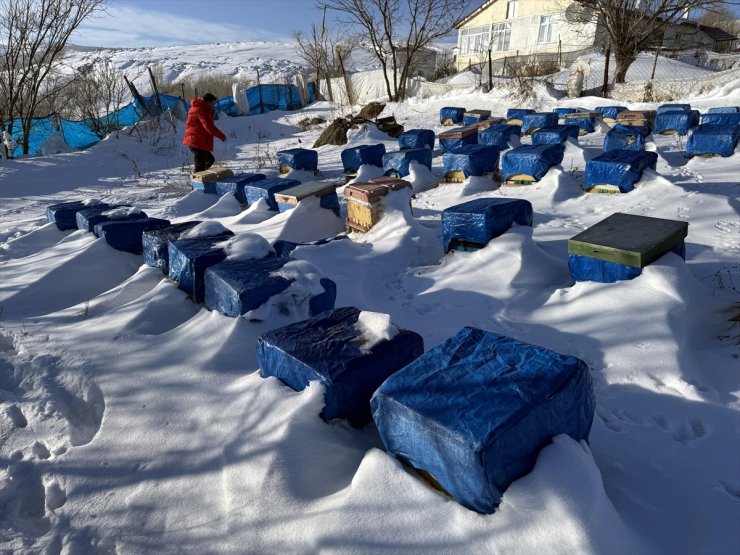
x=133 y=420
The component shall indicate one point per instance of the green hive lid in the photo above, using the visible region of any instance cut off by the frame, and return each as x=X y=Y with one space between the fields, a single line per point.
x=308 y=189
x=628 y=239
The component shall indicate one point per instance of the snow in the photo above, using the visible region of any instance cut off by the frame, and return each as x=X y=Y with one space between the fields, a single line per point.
x=374 y=327
x=133 y=420
x=204 y=229
x=246 y=246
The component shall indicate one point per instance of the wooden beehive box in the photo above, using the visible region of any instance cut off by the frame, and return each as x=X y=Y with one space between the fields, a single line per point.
x=628 y=239
x=363 y=202
x=640 y=118
x=210 y=175
x=295 y=194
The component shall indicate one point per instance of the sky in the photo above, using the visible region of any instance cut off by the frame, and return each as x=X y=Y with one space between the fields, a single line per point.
x=134 y=23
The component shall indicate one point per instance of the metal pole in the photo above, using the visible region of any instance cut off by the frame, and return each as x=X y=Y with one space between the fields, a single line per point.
x=490 y=71
x=655 y=63
x=605 y=86
x=259 y=90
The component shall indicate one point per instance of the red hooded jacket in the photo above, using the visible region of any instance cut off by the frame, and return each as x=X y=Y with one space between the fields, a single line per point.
x=199 y=129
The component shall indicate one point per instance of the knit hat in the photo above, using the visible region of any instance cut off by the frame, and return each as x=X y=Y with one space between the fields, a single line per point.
x=208 y=97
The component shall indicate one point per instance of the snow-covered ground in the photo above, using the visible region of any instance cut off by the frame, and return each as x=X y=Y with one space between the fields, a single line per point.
x=134 y=421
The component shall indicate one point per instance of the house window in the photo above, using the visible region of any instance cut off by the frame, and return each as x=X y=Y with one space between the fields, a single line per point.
x=548 y=28
x=500 y=36
x=512 y=9
x=473 y=40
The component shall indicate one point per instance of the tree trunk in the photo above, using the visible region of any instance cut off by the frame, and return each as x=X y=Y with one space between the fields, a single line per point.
x=623 y=63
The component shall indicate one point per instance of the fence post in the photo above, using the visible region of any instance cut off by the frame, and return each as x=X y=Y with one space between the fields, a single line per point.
x=259 y=91
x=503 y=68
x=560 y=52
x=605 y=86
x=156 y=90
x=655 y=63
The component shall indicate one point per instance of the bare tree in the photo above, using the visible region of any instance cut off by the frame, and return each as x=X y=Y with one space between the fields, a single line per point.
x=35 y=33
x=395 y=26
x=637 y=25
x=98 y=92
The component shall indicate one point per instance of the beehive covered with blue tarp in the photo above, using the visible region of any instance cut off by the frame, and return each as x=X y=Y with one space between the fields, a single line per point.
x=398 y=162
x=625 y=137
x=610 y=113
x=585 y=123
x=333 y=349
x=517 y=115
x=356 y=156
x=713 y=139
x=236 y=287
x=472 y=159
x=562 y=112
x=416 y=138
x=724 y=110
x=531 y=160
x=679 y=122
x=64 y=214
x=236 y=183
x=722 y=118
x=663 y=108
x=475 y=116
x=451 y=114
x=474 y=412
x=473 y=224
x=499 y=135
x=189 y=259
x=266 y=189
x=127 y=235
x=454 y=138
x=88 y=218
x=619 y=168
x=298 y=159
x=532 y=122
x=155 y=243
x=555 y=135
x=620 y=246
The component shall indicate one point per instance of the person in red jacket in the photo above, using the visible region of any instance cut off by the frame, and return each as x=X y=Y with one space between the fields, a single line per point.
x=200 y=130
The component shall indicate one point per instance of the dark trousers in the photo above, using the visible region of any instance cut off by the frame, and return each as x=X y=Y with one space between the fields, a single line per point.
x=203 y=159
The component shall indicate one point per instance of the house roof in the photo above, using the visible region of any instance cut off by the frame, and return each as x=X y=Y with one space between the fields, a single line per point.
x=464 y=19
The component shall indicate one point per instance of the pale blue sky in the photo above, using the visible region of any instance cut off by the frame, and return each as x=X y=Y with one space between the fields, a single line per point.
x=132 y=23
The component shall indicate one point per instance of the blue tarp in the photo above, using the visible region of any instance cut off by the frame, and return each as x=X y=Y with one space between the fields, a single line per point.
x=677 y=121
x=518 y=113
x=475 y=116
x=235 y=287
x=155 y=244
x=478 y=221
x=530 y=122
x=190 y=258
x=621 y=168
x=722 y=118
x=298 y=159
x=672 y=108
x=266 y=98
x=534 y=160
x=88 y=218
x=475 y=411
x=724 y=110
x=610 y=112
x=126 y=235
x=555 y=135
x=416 y=138
x=454 y=114
x=455 y=138
x=499 y=135
x=472 y=159
x=285 y=248
x=78 y=134
x=585 y=268
x=399 y=161
x=356 y=156
x=327 y=349
x=713 y=138
x=174 y=104
x=562 y=112
x=235 y=185
x=64 y=214
x=227 y=106
x=625 y=137
x=266 y=189
x=585 y=123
